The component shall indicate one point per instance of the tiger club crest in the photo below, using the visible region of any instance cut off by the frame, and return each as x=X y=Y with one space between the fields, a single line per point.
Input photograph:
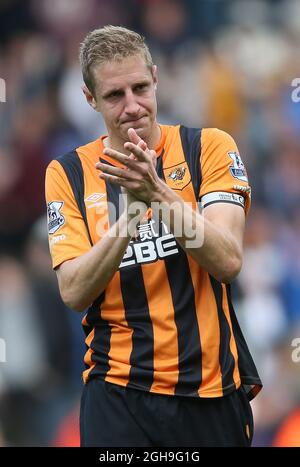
x=177 y=177
x=177 y=174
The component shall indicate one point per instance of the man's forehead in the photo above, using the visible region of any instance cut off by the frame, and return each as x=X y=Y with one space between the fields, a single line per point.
x=120 y=72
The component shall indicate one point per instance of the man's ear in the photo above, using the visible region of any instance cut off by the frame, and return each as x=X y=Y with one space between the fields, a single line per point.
x=89 y=97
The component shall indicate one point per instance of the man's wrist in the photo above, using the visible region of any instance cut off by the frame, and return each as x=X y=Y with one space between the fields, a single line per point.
x=159 y=195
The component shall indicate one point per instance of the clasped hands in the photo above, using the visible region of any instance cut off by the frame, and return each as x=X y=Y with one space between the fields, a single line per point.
x=138 y=175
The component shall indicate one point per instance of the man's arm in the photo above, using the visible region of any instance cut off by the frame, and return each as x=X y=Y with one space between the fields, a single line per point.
x=81 y=280
x=214 y=239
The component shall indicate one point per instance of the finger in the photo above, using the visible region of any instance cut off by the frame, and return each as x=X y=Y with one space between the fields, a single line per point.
x=113 y=179
x=133 y=136
x=116 y=155
x=129 y=162
x=128 y=184
x=116 y=171
x=141 y=144
x=136 y=139
x=137 y=151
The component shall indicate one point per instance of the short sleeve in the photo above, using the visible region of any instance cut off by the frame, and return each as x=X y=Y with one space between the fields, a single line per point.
x=224 y=176
x=67 y=232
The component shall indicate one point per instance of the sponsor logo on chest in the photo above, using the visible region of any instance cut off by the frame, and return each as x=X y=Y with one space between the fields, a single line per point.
x=153 y=242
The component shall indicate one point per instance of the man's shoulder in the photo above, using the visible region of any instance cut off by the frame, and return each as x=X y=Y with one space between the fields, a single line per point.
x=216 y=134
x=207 y=136
x=90 y=149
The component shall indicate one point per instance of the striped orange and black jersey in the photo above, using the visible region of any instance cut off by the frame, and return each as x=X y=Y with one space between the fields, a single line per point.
x=163 y=324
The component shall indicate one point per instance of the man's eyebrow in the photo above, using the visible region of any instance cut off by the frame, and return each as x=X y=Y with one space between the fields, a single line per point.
x=142 y=82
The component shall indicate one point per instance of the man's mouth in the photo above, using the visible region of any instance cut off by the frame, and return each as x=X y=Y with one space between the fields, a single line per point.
x=133 y=120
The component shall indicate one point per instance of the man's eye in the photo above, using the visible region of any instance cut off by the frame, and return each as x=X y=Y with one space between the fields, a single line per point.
x=114 y=94
x=141 y=87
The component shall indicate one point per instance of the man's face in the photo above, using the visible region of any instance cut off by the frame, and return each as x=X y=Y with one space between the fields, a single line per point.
x=125 y=95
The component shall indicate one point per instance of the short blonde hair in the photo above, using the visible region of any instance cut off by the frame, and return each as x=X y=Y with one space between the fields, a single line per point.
x=110 y=43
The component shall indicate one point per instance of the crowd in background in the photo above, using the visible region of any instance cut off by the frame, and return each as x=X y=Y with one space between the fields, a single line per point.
x=226 y=64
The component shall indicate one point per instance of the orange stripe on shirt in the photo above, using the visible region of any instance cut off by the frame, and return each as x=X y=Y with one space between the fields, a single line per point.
x=208 y=323
x=113 y=311
x=161 y=311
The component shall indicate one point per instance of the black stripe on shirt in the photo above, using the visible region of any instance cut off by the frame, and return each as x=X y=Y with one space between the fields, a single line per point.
x=248 y=372
x=114 y=198
x=159 y=165
x=72 y=166
x=189 y=342
x=101 y=341
x=138 y=318
x=225 y=356
x=191 y=145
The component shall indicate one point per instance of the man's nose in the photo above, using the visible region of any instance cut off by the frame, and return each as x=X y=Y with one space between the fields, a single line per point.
x=131 y=105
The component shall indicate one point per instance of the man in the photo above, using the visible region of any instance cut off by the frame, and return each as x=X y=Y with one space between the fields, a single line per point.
x=166 y=363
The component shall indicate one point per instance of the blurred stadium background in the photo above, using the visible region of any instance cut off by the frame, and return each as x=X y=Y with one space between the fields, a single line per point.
x=226 y=64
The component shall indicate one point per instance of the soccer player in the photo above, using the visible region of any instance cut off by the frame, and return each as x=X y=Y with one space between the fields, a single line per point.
x=166 y=362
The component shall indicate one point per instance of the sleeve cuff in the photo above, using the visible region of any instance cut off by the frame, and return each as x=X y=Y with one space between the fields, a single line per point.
x=222 y=197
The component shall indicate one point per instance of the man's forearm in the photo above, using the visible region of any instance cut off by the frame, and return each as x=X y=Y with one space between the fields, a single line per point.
x=83 y=279
x=214 y=249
